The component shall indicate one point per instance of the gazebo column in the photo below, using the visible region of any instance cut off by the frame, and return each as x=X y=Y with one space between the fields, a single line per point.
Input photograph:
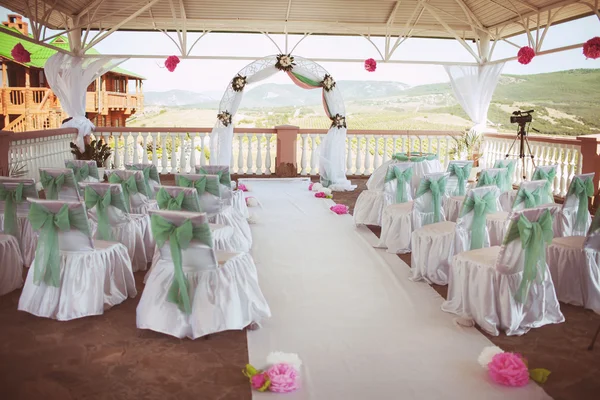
x=287 y=135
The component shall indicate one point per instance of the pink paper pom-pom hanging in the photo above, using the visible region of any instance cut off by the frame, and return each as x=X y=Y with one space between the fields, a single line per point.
x=370 y=65
x=171 y=63
x=591 y=48
x=19 y=54
x=525 y=55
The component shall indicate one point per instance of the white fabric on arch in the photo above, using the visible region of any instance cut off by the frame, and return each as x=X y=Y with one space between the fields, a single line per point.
x=69 y=78
x=473 y=87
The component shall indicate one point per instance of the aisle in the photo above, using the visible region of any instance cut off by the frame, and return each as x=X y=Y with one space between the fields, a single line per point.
x=362 y=329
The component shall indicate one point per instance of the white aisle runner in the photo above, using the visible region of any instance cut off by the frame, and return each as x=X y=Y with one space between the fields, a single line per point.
x=361 y=328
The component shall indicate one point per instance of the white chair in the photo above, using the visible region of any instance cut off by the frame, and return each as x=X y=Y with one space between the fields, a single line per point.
x=11 y=264
x=59 y=184
x=429 y=199
x=209 y=194
x=84 y=170
x=492 y=176
x=547 y=173
x=231 y=196
x=19 y=191
x=456 y=187
x=193 y=290
x=137 y=198
x=110 y=221
x=73 y=276
x=574 y=263
x=151 y=176
x=508 y=288
x=434 y=245
x=397 y=187
x=574 y=218
x=508 y=193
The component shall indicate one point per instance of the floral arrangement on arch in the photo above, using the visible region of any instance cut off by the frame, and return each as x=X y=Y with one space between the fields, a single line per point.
x=285 y=62
x=281 y=376
x=327 y=83
x=238 y=83
x=509 y=369
x=338 y=121
x=224 y=117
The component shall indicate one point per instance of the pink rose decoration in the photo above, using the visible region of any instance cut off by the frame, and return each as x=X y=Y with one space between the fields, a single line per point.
x=370 y=65
x=591 y=48
x=525 y=55
x=19 y=54
x=339 y=209
x=260 y=382
x=284 y=378
x=508 y=369
x=171 y=63
x=242 y=187
x=311 y=186
x=320 y=195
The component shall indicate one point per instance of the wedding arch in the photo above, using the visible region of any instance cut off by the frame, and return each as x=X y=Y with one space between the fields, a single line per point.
x=306 y=74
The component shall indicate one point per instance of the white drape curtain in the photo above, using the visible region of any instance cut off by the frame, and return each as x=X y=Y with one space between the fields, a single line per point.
x=69 y=77
x=473 y=87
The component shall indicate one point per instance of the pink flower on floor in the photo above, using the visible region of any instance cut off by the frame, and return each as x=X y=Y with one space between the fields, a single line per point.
x=320 y=195
x=340 y=209
x=242 y=187
x=508 y=369
x=260 y=382
x=311 y=186
x=284 y=378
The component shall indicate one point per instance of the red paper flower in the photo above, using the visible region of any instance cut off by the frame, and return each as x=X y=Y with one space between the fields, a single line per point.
x=171 y=63
x=591 y=48
x=525 y=55
x=19 y=54
x=370 y=65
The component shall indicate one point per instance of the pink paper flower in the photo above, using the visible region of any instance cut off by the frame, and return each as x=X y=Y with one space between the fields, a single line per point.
x=242 y=187
x=311 y=186
x=260 y=382
x=370 y=65
x=284 y=378
x=508 y=369
x=171 y=63
x=591 y=48
x=19 y=54
x=320 y=195
x=525 y=55
x=339 y=209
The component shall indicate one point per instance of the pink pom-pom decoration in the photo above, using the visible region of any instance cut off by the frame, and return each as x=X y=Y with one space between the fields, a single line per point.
x=284 y=378
x=525 y=55
x=311 y=186
x=591 y=48
x=19 y=54
x=260 y=382
x=508 y=369
x=171 y=63
x=242 y=187
x=340 y=209
x=320 y=195
x=370 y=65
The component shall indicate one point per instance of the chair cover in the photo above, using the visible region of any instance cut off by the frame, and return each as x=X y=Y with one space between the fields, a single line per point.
x=398 y=180
x=510 y=165
x=194 y=291
x=59 y=184
x=429 y=199
x=547 y=173
x=11 y=264
x=110 y=221
x=508 y=288
x=531 y=194
x=14 y=209
x=492 y=176
x=151 y=177
x=434 y=245
x=574 y=218
x=84 y=170
x=459 y=176
x=137 y=197
x=73 y=276
x=231 y=197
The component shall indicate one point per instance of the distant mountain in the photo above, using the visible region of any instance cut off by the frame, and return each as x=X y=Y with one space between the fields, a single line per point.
x=174 y=98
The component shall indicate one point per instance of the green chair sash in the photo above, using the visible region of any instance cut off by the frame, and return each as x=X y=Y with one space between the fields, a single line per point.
x=80 y=173
x=462 y=174
x=102 y=202
x=481 y=206
x=179 y=238
x=582 y=189
x=548 y=176
x=152 y=172
x=11 y=198
x=510 y=171
x=52 y=184
x=488 y=180
x=168 y=202
x=531 y=198
x=401 y=177
x=149 y=173
x=224 y=176
x=47 y=253
x=129 y=185
x=437 y=187
x=202 y=185
x=534 y=237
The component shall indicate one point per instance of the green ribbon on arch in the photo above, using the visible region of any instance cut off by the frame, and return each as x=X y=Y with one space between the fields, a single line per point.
x=129 y=186
x=534 y=237
x=202 y=185
x=582 y=189
x=462 y=174
x=52 y=184
x=437 y=187
x=80 y=173
x=481 y=206
x=11 y=197
x=401 y=177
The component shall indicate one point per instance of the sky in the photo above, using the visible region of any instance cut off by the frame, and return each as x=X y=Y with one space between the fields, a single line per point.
x=214 y=75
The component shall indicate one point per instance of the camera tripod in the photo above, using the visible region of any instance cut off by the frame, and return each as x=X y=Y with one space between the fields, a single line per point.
x=522 y=138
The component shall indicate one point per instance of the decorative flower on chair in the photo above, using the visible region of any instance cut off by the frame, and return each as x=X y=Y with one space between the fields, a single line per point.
x=285 y=62
x=19 y=54
x=591 y=48
x=370 y=65
x=338 y=121
x=509 y=369
x=282 y=376
x=171 y=63
x=224 y=117
x=238 y=83
x=525 y=55
x=327 y=83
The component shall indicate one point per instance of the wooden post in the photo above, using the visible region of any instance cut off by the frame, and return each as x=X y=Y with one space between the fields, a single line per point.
x=591 y=161
x=5 y=137
x=4 y=75
x=285 y=159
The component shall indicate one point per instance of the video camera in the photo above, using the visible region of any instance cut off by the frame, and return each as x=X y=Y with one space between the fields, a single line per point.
x=521 y=117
